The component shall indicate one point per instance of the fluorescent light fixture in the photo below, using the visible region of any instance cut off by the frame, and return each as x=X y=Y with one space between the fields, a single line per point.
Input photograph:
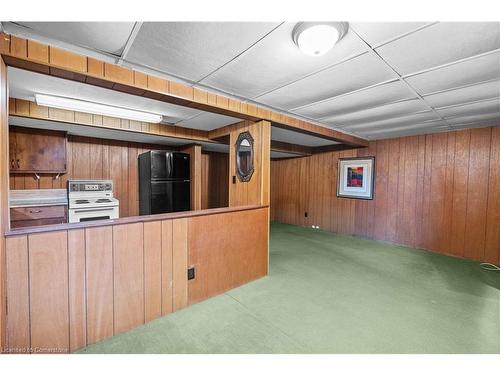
x=317 y=38
x=95 y=108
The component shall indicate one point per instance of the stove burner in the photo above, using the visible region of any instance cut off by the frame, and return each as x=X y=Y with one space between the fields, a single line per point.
x=81 y=201
x=102 y=200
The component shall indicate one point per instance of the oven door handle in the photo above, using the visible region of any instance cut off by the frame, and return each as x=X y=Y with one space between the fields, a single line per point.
x=93 y=210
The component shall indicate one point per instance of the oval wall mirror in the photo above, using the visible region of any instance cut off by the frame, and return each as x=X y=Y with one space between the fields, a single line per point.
x=244 y=156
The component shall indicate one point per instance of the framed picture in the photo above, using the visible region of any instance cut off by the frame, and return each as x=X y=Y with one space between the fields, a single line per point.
x=355 y=177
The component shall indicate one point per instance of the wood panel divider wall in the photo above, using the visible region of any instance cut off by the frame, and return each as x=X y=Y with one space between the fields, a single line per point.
x=71 y=288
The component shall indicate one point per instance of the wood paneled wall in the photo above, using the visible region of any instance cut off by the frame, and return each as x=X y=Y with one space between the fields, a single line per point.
x=194 y=152
x=4 y=190
x=117 y=160
x=255 y=191
x=214 y=180
x=439 y=192
x=93 y=158
x=227 y=250
x=71 y=288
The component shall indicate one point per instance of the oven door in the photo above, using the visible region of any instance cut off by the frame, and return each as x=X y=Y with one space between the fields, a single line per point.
x=77 y=215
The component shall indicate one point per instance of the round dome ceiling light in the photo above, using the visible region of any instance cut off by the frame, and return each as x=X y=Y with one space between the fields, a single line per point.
x=317 y=38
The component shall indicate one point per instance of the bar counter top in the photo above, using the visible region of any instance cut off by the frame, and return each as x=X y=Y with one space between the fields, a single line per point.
x=128 y=220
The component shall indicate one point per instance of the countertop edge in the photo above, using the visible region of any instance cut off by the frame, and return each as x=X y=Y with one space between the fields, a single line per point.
x=128 y=220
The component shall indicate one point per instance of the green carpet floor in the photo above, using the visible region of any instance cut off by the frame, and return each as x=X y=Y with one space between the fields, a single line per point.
x=327 y=293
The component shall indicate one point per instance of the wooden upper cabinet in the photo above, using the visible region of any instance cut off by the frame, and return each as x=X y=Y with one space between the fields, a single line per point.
x=36 y=151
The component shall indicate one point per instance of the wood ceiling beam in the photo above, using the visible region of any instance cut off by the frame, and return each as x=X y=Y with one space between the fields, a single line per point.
x=42 y=58
x=27 y=109
x=290 y=148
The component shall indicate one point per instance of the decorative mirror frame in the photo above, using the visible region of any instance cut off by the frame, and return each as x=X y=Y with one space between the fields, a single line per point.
x=242 y=176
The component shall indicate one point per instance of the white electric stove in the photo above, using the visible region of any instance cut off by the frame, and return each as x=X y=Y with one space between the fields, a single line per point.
x=91 y=200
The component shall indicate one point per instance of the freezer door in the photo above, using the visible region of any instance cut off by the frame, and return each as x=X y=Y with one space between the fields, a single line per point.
x=161 y=197
x=180 y=165
x=182 y=195
x=161 y=165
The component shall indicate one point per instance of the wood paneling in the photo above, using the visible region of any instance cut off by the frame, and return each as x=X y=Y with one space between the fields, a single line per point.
x=70 y=288
x=256 y=190
x=438 y=192
x=214 y=180
x=99 y=276
x=4 y=189
x=24 y=108
x=179 y=263
x=48 y=289
x=195 y=165
x=238 y=254
x=77 y=294
x=18 y=310
x=152 y=270
x=97 y=159
x=167 y=264
x=128 y=276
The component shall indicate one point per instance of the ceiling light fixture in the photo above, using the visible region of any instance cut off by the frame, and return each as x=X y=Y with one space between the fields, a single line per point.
x=95 y=108
x=317 y=38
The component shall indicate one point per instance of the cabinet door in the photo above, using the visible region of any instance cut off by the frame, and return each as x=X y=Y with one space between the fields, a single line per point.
x=12 y=152
x=39 y=151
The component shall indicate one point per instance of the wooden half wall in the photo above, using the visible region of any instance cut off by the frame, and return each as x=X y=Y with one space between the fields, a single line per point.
x=439 y=192
x=71 y=288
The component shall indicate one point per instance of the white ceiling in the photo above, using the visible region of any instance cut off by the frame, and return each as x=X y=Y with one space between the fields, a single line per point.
x=376 y=82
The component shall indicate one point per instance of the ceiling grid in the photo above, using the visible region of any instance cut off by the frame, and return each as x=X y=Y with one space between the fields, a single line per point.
x=382 y=80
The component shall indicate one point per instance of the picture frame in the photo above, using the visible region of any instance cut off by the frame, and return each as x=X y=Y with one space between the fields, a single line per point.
x=355 y=177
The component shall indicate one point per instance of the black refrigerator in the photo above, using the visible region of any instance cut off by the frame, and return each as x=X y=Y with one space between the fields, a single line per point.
x=164 y=182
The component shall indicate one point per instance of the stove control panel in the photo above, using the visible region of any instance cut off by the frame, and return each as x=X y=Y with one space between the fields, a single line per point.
x=90 y=186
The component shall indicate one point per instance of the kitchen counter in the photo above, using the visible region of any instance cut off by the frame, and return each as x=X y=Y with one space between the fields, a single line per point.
x=38 y=197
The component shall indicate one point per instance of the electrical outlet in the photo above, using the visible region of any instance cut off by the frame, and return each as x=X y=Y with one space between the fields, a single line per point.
x=191 y=274
x=305 y=214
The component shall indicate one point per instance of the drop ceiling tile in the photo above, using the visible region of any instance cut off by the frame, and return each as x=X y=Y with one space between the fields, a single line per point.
x=192 y=50
x=371 y=97
x=490 y=118
x=415 y=118
x=405 y=130
x=480 y=69
x=24 y=85
x=359 y=72
x=484 y=107
x=479 y=124
x=386 y=111
x=109 y=37
x=207 y=121
x=290 y=136
x=440 y=44
x=276 y=61
x=282 y=155
x=482 y=91
x=378 y=32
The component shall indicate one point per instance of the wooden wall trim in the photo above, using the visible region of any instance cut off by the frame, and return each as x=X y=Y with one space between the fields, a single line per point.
x=4 y=189
x=194 y=152
x=71 y=288
x=72 y=66
x=438 y=192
